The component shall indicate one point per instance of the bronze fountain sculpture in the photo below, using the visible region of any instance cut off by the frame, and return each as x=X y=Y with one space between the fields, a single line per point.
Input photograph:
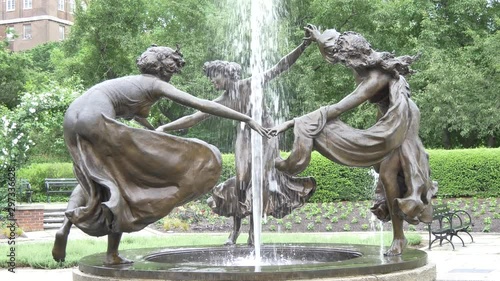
x=132 y=177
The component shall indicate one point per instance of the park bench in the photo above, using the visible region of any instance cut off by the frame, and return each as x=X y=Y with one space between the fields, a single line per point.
x=447 y=224
x=60 y=186
x=24 y=190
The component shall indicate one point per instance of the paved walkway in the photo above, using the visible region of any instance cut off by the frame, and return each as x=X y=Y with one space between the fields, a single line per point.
x=477 y=261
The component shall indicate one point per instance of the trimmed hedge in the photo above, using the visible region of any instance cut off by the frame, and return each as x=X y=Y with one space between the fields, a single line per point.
x=466 y=172
x=460 y=173
x=334 y=182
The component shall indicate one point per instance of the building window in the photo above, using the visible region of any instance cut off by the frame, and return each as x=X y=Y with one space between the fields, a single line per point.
x=60 y=5
x=11 y=5
x=28 y=4
x=62 y=32
x=27 y=31
x=10 y=33
x=72 y=6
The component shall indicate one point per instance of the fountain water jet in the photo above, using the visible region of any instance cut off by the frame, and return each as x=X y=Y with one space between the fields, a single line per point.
x=260 y=17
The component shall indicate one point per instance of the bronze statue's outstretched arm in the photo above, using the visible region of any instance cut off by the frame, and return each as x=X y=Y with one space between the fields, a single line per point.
x=187 y=121
x=144 y=122
x=207 y=106
x=283 y=65
x=372 y=84
x=285 y=62
x=278 y=129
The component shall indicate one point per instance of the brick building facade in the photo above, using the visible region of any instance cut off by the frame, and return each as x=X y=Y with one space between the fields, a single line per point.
x=28 y=23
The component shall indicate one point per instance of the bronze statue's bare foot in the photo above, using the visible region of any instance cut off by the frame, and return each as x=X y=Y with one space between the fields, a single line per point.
x=59 y=248
x=233 y=236
x=397 y=247
x=115 y=259
x=229 y=242
x=250 y=242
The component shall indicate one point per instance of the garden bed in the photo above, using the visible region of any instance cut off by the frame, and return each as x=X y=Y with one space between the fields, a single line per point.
x=324 y=217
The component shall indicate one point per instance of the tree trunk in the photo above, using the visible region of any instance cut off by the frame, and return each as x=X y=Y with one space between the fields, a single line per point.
x=446 y=139
x=491 y=141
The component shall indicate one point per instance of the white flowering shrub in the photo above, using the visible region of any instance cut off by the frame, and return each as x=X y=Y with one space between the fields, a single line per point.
x=34 y=125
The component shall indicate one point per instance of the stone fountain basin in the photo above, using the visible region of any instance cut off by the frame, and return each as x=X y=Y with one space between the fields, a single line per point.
x=304 y=261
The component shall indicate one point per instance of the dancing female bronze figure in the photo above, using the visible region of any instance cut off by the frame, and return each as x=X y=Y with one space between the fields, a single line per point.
x=131 y=177
x=392 y=146
x=281 y=193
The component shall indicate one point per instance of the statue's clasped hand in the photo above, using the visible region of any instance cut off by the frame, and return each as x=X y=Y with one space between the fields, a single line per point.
x=259 y=129
x=276 y=130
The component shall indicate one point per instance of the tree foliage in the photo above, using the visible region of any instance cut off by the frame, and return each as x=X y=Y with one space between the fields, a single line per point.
x=455 y=86
x=104 y=41
x=13 y=75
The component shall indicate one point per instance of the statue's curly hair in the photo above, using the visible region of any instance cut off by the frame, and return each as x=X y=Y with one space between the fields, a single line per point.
x=155 y=61
x=228 y=69
x=353 y=50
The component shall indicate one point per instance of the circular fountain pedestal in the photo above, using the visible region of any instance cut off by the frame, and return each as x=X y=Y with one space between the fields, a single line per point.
x=279 y=262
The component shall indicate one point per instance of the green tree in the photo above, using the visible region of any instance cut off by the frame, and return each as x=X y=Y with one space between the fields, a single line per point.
x=13 y=75
x=40 y=56
x=457 y=87
x=104 y=41
x=458 y=39
x=32 y=132
x=31 y=129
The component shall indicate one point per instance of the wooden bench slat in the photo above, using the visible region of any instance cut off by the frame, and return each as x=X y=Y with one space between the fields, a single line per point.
x=59 y=186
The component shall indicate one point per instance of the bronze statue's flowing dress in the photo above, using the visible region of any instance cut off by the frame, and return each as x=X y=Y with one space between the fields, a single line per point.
x=131 y=177
x=396 y=131
x=281 y=193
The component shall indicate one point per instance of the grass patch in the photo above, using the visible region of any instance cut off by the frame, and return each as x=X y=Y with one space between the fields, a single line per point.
x=38 y=254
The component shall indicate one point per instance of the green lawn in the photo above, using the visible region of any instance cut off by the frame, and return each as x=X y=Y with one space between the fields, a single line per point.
x=38 y=254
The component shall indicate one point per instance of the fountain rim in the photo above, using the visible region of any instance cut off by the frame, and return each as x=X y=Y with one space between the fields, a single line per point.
x=370 y=262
